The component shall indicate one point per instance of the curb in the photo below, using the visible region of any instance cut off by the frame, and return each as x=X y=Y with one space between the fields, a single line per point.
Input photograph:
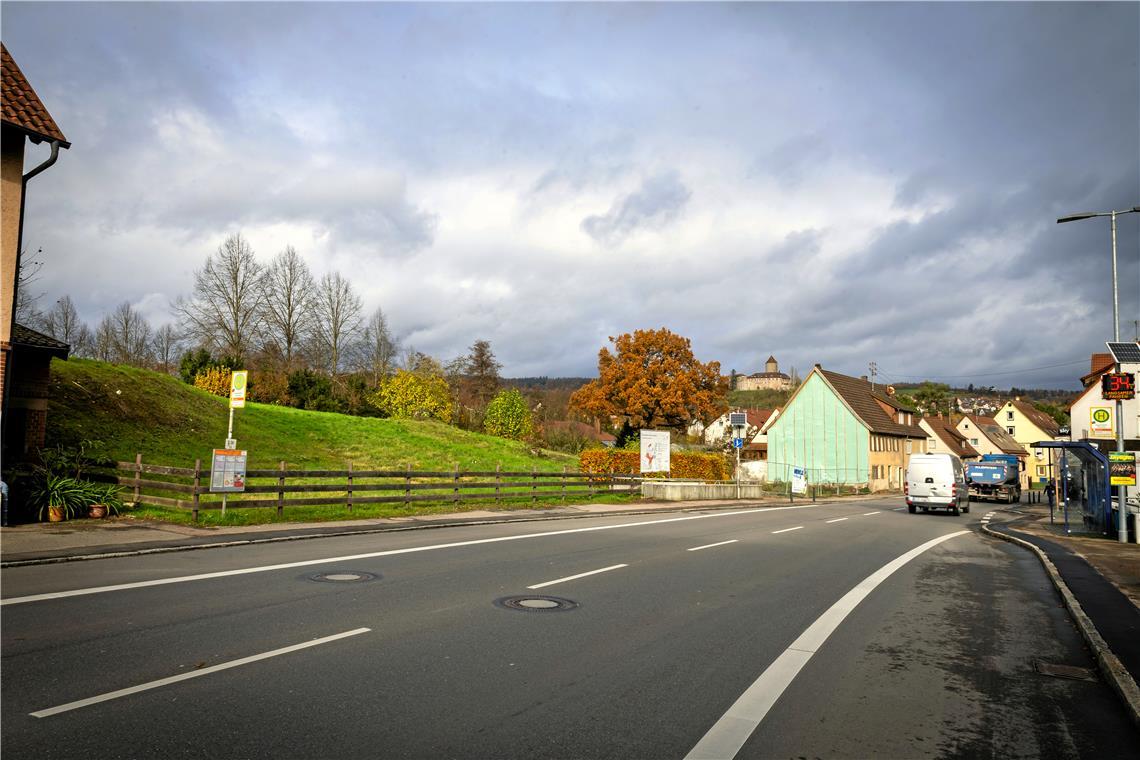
x=1118 y=676
x=369 y=531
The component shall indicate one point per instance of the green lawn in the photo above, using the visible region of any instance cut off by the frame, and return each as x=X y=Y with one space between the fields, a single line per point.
x=170 y=423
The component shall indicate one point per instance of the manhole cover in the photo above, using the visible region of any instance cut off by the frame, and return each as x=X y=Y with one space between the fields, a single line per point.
x=536 y=603
x=1064 y=671
x=343 y=576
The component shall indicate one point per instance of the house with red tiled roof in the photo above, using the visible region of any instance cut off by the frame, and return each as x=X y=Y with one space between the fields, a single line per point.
x=1093 y=419
x=943 y=437
x=988 y=437
x=25 y=357
x=1028 y=425
x=844 y=430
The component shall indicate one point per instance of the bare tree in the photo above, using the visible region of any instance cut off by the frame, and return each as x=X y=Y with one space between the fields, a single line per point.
x=27 y=311
x=287 y=301
x=62 y=321
x=129 y=335
x=103 y=343
x=336 y=317
x=222 y=315
x=378 y=352
x=165 y=347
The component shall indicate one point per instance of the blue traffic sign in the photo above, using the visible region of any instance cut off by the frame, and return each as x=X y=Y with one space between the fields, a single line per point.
x=738 y=443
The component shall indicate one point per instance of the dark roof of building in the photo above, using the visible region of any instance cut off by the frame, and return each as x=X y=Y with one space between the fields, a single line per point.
x=26 y=336
x=864 y=402
x=778 y=375
x=1039 y=418
x=770 y=359
x=21 y=107
x=996 y=433
x=950 y=436
x=1099 y=364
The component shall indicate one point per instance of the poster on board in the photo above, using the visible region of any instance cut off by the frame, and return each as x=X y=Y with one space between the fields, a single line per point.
x=655 y=451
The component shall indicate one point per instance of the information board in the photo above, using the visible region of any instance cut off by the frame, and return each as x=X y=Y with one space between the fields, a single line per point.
x=227 y=471
x=799 y=480
x=655 y=451
x=1122 y=468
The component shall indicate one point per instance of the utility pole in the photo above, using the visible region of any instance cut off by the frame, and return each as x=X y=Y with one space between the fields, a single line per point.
x=874 y=371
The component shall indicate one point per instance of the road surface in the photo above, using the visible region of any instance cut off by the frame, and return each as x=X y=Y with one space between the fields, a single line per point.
x=848 y=629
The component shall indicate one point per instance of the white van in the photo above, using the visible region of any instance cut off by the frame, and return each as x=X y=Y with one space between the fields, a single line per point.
x=936 y=481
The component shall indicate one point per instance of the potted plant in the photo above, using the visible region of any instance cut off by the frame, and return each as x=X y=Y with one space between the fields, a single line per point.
x=57 y=497
x=105 y=500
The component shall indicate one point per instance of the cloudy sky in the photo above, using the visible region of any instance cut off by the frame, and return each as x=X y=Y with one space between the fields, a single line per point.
x=827 y=183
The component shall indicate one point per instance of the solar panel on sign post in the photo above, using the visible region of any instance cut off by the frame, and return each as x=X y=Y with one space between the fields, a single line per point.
x=1124 y=353
x=737 y=419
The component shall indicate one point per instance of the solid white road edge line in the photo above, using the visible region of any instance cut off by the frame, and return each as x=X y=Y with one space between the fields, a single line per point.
x=387 y=553
x=709 y=546
x=193 y=674
x=837 y=519
x=575 y=577
x=785 y=530
x=729 y=734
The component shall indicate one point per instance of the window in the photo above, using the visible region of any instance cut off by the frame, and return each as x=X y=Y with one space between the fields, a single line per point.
x=909 y=444
x=1009 y=416
x=973 y=441
x=931 y=443
x=1009 y=430
x=1041 y=472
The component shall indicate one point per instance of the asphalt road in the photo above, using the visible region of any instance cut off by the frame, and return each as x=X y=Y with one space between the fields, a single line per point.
x=747 y=633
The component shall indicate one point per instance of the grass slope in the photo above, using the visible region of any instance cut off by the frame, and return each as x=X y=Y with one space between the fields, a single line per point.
x=135 y=410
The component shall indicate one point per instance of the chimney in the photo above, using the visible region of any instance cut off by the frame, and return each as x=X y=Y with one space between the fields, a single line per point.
x=817 y=365
x=863 y=378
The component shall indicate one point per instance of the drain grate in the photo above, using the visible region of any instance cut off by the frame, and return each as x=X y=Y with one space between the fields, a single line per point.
x=343 y=576
x=536 y=603
x=1071 y=672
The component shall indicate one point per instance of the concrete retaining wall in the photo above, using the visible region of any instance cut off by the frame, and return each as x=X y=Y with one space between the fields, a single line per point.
x=694 y=490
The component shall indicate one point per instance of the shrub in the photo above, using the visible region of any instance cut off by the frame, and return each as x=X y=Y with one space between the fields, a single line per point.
x=508 y=416
x=313 y=391
x=215 y=380
x=683 y=464
x=269 y=387
x=192 y=363
x=415 y=396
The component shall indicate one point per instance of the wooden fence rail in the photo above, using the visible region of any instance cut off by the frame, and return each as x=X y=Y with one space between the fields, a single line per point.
x=165 y=485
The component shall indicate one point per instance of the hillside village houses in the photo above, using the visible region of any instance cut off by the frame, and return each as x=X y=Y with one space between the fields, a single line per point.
x=988 y=437
x=943 y=437
x=1028 y=425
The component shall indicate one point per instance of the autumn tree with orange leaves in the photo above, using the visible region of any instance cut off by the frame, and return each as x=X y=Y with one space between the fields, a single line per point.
x=653 y=380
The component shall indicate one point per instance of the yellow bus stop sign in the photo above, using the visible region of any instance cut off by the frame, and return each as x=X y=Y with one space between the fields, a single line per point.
x=238 y=382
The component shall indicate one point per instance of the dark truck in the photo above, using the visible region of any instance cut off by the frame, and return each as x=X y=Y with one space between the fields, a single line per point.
x=997 y=477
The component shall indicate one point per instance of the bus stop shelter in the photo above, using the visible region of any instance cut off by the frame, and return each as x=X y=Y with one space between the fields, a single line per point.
x=1083 y=490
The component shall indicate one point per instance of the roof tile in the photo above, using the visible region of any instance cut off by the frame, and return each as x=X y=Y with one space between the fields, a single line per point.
x=864 y=401
x=21 y=107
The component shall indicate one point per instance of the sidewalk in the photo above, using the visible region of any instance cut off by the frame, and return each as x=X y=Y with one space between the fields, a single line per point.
x=1103 y=576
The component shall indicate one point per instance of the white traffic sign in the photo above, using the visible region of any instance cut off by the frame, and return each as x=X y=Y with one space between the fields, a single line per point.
x=655 y=451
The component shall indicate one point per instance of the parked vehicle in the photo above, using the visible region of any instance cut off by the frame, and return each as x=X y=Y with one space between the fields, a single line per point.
x=997 y=478
x=936 y=481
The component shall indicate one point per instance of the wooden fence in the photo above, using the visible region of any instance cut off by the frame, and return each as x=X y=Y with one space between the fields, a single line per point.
x=189 y=487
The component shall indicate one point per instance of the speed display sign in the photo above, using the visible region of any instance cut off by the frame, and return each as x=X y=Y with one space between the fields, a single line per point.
x=1118 y=386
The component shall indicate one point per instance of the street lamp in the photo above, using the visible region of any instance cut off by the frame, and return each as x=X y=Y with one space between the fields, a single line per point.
x=1122 y=531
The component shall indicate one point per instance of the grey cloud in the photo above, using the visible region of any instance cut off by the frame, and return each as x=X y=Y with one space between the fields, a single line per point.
x=658 y=202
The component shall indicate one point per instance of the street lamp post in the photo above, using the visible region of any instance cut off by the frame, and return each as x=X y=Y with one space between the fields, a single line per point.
x=1122 y=522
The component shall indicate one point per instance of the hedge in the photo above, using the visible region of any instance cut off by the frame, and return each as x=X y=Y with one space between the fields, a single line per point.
x=682 y=464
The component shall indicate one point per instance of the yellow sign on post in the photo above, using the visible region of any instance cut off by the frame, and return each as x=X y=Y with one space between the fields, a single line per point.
x=238 y=382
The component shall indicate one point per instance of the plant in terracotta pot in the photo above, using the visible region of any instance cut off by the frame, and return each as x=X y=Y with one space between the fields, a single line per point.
x=104 y=500
x=57 y=497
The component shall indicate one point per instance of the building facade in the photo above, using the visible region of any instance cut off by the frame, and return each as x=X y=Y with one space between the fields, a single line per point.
x=843 y=430
x=770 y=379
